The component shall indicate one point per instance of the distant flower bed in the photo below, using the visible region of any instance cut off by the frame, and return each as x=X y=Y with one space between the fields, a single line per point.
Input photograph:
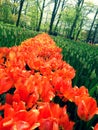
x=33 y=81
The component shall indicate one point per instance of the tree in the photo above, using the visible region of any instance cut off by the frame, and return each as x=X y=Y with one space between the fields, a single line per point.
x=41 y=13
x=54 y=12
x=90 y=31
x=67 y=15
x=27 y=4
x=79 y=6
x=19 y=13
x=95 y=33
x=5 y=11
x=33 y=13
x=85 y=11
x=15 y=5
x=44 y=3
x=60 y=14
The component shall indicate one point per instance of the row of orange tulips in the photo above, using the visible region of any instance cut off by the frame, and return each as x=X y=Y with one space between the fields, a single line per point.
x=31 y=76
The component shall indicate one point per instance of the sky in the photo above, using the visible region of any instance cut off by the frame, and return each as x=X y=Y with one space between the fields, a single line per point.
x=93 y=1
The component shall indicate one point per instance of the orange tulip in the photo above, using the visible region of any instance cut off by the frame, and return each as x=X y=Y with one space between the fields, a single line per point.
x=96 y=127
x=87 y=108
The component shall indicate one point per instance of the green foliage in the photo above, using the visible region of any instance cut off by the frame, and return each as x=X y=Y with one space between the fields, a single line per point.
x=84 y=58
x=34 y=17
x=11 y=35
x=67 y=15
x=5 y=12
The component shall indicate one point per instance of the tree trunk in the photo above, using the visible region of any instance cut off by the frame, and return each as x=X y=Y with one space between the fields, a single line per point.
x=81 y=24
x=19 y=14
x=41 y=15
x=14 y=8
x=45 y=24
x=95 y=32
x=79 y=29
x=89 y=33
x=78 y=10
x=54 y=12
x=25 y=12
x=73 y=26
x=62 y=8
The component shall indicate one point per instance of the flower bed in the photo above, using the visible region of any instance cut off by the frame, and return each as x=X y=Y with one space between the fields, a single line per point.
x=33 y=81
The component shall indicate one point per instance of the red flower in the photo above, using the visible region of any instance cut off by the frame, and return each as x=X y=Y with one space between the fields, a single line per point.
x=37 y=72
x=52 y=116
x=77 y=94
x=3 y=55
x=18 y=118
x=5 y=81
x=87 y=108
x=96 y=127
x=48 y=124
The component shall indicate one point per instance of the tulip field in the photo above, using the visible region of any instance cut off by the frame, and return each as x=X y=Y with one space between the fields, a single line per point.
x=42 y=89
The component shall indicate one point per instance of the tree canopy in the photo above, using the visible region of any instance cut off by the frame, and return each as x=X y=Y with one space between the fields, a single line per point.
x=75 y=19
